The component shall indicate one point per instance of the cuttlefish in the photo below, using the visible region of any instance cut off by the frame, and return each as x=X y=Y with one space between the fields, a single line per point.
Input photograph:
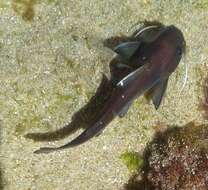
x=148 y=62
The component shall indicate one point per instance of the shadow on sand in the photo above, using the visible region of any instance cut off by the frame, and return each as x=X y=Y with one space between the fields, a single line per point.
x=86 y=116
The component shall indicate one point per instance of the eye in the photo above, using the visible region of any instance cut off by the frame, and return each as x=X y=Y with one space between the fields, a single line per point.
x=179 y=51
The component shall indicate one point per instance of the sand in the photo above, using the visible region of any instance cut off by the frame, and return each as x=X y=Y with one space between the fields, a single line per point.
x=52 y=59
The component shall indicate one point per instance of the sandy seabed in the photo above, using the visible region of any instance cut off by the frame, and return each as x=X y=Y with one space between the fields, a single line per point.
x=51 y=65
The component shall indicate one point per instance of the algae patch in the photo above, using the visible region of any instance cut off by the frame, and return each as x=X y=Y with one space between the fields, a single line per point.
x=26 y=123
x=176 y=159
x=203 y=4
x=25 y=8
x=132 y=160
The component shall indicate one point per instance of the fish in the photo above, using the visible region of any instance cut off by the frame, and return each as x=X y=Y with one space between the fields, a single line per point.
x=147 y=65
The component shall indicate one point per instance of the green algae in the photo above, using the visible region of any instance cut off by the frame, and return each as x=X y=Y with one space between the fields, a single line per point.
x=64 y=97
x=60 y=101
x=25 y=8
x=30 y=119
x=26 y=123
x=132 y=160
x=173 y=157
x=203 y=4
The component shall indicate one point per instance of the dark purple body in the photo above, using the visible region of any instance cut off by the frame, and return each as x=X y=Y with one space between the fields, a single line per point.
x=153 y=63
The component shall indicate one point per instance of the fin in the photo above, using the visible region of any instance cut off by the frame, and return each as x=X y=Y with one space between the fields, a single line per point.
x=130 y=76
x=125 y=109
x=157 y=92
x=99 y=133
x=45 y=150
x=119 y=71
x=123 y=66
x=127 y=49
x=141 y=30
x=105 y=77
x=150 y=33
x=87 y=134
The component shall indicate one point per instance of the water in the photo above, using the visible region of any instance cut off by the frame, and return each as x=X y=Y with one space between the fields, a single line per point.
x=52 y=59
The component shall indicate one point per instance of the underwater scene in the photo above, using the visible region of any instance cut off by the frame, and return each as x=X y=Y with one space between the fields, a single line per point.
x=103 y=95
